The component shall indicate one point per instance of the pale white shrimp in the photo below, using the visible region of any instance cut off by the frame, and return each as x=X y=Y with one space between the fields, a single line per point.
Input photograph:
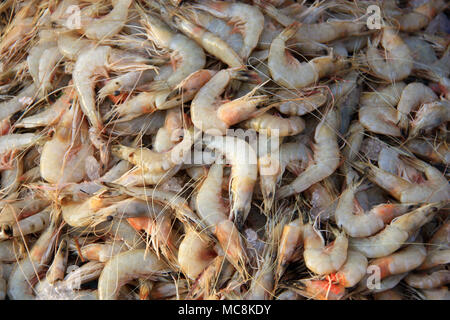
x=196 y=252
x=243 y=160
x=420 y=16
x=11 y=250
x=127 y=266
x=272 y=166
x=326 y=157
x=18 y=141
x=434 y=151
x=102 y=251
x=168 y=135
x=430 y=116
x=288 y=72
x=404 y=260
x=212 y=210
x=323 y=259
x=248 y=20
x=10 y=178
x=428 y=280
x=365 y=224
x=33 y=224
x=395 y=234
x=399 y=62
x=70 y=44
x=435 y=188
x=87 y=272
x=110 y=24
x=413 y=96
x=126 y=82
x=290 y=241
x=19 y=287
x=188 y=55
x=352 y=271
x=271 y=124
x=208 y=111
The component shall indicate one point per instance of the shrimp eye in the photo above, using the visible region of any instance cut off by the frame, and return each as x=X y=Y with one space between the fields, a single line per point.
x=116 y=93
x=7 y=230
x=410 y=207
x=109 y=218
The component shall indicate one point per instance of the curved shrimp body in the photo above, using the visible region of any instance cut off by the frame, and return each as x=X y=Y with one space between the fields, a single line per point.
x=352 y=271
x=436 y=188
x=294 y=104
x=156 y=162
x=435 y=258
x=188 y=55
x=22 y=100
x=402 y=261
x=195 y=253
x=395 y=234
x=32 y=224
x=430 y=116
x=70 y=44
x=271 y=167
x=272 y=124
x=244 y=172
x=428 y=281
x=290 y=73
x=248 y=20
x=379 y=120
x=18 y=283
x=326 y=157
x=321 y=290
x=364 y=225
x=213 y=116
x=414 y=95
x=323 y=259
x=110 y=24
x=65 y=150
x=399 y=62
x=126 y=266
x=209 y=41
x=167 y=136
x=420 y=16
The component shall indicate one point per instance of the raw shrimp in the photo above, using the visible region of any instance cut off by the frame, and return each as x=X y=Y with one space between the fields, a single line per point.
x=365 y=224
x=126 y=266
x=326 y=157
x=211 y=115
x=102 y=252
x=243 y=160
x=401 y=261
x=323 y=259
x=420 y=16
x=271 y=124
x=11 y=250
x=428 y=281
x=291 y=239
x=195 y=253
x=395 y=234
x=399 y=62
x=167 y=136
x=413 y=96
x=352 y=271
x=430 y=116
x=22 y=100
x=319 y=289
x=288 y=72
x=247 y=20
x=32 y=224
x=435 y=151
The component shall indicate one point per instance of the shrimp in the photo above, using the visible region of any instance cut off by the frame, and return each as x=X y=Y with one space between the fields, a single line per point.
x=413 y=95
x=291 y=239
x=20 y=101
x=210 y=42
x=110 y=24
x=395 y=234
x=401 y=261
x=102 y=252
x=68 y=148
x=323 y=259
x=243 y=160
x=437 y=152
x=399 y=62
x=212 y=210
x=70 y=45
x=189 y=57
x=247 y=20
x=211 y=115
x=156 y=162
x=420 y=16
x=195 y=253
x=352 y=271
x=326 y=157
x=434 y=189
x=365 y=224
x=290 y=73
x=319 y=289
x=166 y=137
x=32 y=224
x=11 y=250
x=87 y=272
x=272 y=166
x=272 y=124
x=127 y=266
x=430 y=116
x=428 y=281
x=19 y=281
x=18 y=141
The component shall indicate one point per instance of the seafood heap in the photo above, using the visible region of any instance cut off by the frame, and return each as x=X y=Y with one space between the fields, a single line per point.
x=265 y=149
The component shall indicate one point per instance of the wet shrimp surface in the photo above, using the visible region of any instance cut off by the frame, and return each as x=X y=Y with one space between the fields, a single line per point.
x=224 y=150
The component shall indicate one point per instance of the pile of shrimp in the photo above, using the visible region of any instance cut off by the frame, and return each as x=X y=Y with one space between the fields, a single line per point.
x=123 y=175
